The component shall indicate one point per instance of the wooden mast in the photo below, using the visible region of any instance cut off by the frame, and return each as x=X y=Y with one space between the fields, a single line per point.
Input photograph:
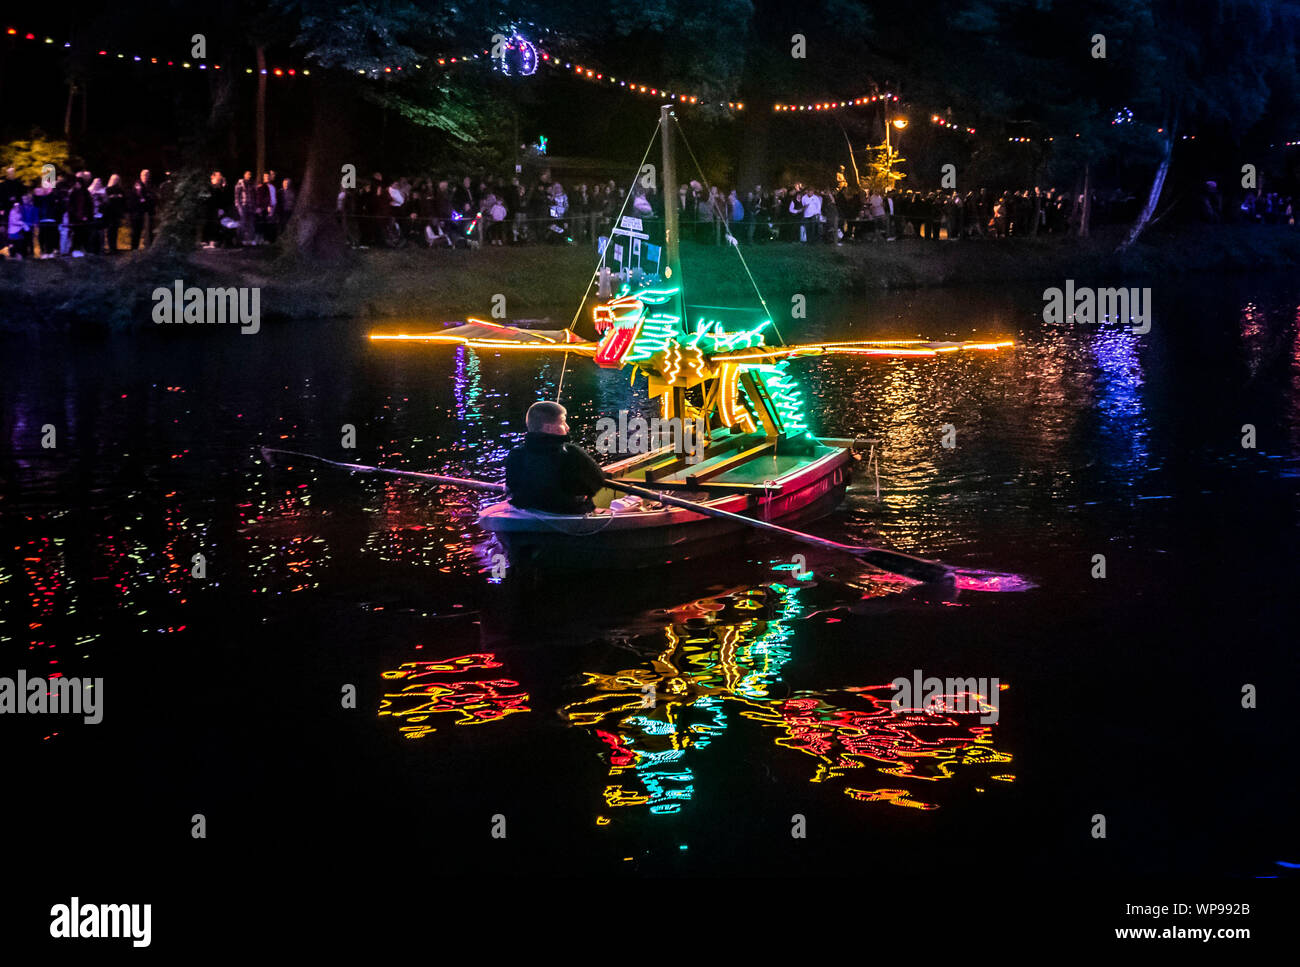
x=675 y=401
x=672 y=229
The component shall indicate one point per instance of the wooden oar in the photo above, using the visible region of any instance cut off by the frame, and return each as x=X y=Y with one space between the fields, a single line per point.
x=895 y=562
x=364 y=468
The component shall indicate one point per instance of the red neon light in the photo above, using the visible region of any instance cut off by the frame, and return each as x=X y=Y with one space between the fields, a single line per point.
x=614 y=346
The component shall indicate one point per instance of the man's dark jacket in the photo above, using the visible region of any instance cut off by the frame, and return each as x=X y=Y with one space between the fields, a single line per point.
x=549 y=473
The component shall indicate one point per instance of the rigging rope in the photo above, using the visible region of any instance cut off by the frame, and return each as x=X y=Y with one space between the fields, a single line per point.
x=735 y=244
x=618 y=219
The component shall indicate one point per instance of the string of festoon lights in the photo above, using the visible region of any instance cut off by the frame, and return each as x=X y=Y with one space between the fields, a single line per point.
x=518 y=56
x=944 y=122
x=836 y=105
x=196 y=64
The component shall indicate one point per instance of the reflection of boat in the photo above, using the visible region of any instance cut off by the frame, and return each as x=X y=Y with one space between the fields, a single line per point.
x=721 y=658
x=713 y=372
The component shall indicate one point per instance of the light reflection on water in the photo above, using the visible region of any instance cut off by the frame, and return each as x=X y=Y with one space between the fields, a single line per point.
x=722 y=658
x=1062 y=422
x=682 y=677
x=1077 y=440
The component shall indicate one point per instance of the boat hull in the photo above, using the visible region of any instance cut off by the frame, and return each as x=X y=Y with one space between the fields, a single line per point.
x=649 y=538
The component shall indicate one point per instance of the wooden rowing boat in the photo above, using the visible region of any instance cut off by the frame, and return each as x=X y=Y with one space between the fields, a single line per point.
x=773 y=487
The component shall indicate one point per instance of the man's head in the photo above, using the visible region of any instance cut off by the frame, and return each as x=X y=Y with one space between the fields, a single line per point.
x=547 y=417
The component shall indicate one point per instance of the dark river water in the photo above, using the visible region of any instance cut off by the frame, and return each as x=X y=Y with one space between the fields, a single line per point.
x=483 y=706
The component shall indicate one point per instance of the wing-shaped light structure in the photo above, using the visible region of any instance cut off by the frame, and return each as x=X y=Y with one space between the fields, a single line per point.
x=865 y=347
x=698 y=369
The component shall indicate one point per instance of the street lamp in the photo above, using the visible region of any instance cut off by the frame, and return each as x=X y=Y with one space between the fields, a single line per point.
x=898 y=122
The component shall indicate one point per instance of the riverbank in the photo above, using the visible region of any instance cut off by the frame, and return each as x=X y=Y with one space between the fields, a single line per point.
x=420 y=284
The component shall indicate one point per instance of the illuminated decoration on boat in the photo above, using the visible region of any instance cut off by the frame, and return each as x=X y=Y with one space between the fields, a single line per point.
x=480 y=334
x=785 y=393
x=724 y=656
x=730 y=410
x=744 y=383
x=654 y=336
x=715 y=340
x=472 y=701
x=867 y=347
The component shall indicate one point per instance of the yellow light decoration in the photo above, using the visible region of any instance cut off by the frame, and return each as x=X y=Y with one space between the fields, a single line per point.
x=877 y=347
x=728 y=404
x=524 y=339
x=672 y=361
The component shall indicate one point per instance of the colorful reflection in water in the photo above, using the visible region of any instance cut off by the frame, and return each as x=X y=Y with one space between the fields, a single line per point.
x=909 y=744
x=431 y=688
x=721 y=658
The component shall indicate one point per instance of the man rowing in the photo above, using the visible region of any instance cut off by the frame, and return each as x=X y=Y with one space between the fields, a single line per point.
x=547 y=472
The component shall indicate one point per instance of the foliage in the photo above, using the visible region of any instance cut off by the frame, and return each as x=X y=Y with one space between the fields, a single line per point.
x=27 y=158
x=188 y=190
x=883 y=172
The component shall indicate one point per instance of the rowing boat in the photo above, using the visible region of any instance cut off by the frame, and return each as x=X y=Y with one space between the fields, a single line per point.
x=775 y=487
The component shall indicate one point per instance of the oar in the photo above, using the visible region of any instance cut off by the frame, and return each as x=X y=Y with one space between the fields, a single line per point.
x=364 y=468
x=895 y=562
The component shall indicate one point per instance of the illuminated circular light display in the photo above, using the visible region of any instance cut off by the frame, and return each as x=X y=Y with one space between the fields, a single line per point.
x=518 y=57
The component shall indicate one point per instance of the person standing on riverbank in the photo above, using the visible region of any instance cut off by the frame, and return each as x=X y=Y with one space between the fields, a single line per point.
x=47 y=225
x=265 y=200
x=113 y=210
x=246 y=206
x=80 y=212
x=287 y=199
x=141 y=204
x=21 y=220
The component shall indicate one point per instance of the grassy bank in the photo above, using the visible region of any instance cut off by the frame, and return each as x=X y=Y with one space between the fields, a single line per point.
x=426 y=285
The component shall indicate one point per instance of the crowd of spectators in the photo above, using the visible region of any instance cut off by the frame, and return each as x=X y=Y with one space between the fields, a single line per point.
x=252 y=211
x=469 y=211
x=449 y=211
x=78 y=214
x=799 y=213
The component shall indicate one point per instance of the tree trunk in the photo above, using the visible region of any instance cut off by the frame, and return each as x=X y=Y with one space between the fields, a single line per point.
x=1153 y=196
x=314 y=233
x=754 y=159
x=1085 y=210
x=261 y=112
x=67 y=112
